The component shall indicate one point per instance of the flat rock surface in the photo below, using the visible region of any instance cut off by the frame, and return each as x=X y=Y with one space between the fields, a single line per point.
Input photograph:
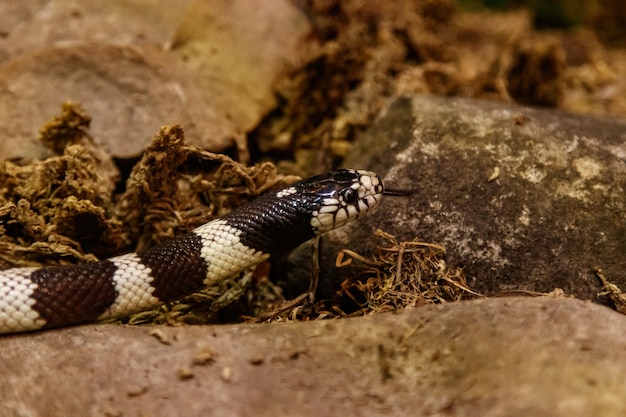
x=491 y=357
x=522 y=199
x=136 y=66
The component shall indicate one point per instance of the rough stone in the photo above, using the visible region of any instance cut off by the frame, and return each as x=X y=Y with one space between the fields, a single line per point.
x=135 y=67
x=554 y=210
x=491 y=357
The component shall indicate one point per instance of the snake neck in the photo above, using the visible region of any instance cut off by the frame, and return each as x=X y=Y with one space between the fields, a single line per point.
x=273 y=226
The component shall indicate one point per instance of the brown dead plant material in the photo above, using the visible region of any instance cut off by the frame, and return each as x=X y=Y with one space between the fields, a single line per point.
x=176 y=187
x=365 y=52
x=69 y=128
x=401 y=275
x=396 y=276
x=614 y=293
x=65 y=208
x=55 y=209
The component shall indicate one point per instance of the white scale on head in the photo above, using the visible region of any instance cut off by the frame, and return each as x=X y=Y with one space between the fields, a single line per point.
x=286 y=192
x=16 y=312
x=335 y=212
x=224 y=253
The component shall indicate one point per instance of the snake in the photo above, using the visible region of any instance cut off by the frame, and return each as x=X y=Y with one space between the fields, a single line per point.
x=38 y=298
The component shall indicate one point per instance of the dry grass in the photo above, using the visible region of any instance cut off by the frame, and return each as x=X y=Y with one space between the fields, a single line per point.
x=402 y=275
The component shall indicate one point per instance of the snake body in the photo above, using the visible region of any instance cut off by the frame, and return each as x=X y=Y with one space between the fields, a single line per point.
x=275 y=223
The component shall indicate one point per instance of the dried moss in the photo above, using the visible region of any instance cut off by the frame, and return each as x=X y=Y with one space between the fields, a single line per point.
x=402 y=275
x=72 y=126
x=398 y=275
x=55 y=209
x=617 y=297
x=65 y=209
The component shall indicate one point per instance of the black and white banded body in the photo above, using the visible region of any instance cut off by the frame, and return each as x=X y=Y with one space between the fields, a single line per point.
x=275 y=223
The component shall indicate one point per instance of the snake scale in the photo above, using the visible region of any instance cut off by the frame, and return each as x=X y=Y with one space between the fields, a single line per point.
x=275 y=223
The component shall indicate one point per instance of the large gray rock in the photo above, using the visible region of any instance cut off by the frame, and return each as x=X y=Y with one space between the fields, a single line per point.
x=556 y=211
x=493 y=357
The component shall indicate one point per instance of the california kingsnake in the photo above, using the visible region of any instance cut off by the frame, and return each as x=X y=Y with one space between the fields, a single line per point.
x=275 y=223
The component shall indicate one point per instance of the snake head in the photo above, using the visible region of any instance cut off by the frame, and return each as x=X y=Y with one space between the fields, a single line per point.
x=278 y=222
x=340 y=196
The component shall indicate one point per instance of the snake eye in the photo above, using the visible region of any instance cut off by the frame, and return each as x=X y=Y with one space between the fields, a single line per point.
x=350 y=196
